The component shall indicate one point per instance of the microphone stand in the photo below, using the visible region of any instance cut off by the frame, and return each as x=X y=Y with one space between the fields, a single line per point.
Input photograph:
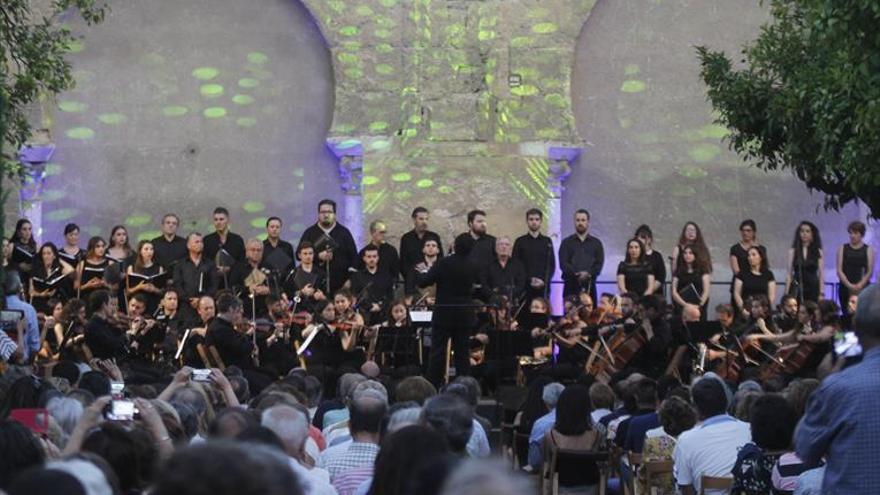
x=548 y=269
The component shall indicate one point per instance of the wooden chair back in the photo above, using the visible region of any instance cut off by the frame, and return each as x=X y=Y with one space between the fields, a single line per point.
x=715 y=483
x=554 y=455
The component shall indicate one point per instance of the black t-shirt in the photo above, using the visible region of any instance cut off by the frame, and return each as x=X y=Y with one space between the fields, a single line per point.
x=635 y=276
x=658 y=268
x=754 y=284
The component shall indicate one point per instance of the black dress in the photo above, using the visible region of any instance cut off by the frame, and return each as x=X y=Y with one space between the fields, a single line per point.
x=754 y=285
x=805 y=275
x=855 y=265
x=635 y=276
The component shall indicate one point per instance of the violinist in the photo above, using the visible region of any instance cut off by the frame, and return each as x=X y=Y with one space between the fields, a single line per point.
x=49 y=340
x=69 y=330
x=537 y=322
x=145 y=334
x=350 y=325
x=90 y=271
x=250 y=279
x=236 y=348
x=323 y=352
x=373 y=286
x=274 y=338
x=104 y=338
x=49 y=273
x=305 y=281
x=198 y=329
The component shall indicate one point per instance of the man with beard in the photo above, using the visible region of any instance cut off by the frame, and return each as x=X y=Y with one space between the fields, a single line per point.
x=483 y=245
x=412 y=242
x=389 y=261
x=535 y=251
x=334 y=246
x=581 y=257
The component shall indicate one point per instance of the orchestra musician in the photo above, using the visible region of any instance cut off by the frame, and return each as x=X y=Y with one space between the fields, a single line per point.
x=69 y=331
x=323 y=352
x=373 y=286
x=104 y=338
x=235 y=347
x=305 y=281
x=422 y=296
x=350 y=324
x=198 y=330
x=396 y=349
x=251 y=279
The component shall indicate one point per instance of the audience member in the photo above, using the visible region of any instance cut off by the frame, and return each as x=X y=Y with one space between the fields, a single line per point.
x=840 y=423
x=710 y=448
x=550 y=396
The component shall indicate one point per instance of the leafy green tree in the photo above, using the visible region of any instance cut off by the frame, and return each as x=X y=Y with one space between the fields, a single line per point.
x=807 y=97
x=33 y=46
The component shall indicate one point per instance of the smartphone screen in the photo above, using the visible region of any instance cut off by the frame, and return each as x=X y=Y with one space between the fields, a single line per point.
x=121 y=410
x=847 y=345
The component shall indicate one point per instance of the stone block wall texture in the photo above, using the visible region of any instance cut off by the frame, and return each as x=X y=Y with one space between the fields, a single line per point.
x=182 y=105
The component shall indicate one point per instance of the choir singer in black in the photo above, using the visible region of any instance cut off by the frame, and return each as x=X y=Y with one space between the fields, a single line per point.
x=581 y=257
x=535 y=251
x=412 y=242
x=333 y=244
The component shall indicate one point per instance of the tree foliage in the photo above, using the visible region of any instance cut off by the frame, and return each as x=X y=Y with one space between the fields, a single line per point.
x=807 y=98
x=33 y=46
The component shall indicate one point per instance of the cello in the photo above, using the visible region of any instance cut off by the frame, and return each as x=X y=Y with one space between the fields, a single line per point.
x=622 y=347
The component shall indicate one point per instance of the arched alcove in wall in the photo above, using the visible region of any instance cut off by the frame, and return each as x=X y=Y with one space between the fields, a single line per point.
x=654 y=154
x=185 y=105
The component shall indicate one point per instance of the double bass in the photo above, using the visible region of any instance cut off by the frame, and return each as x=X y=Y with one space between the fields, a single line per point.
x=623 y=345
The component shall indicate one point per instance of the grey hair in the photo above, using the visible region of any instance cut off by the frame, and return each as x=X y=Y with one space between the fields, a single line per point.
x=66 y=411
x=482 y=477
x=403 y=417
x=371 y=388
x=290 y=424
x=550 y=394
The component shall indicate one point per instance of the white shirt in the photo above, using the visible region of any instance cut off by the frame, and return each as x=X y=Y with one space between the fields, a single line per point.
x=315 y=481
x=598 y=414
x=710 y=449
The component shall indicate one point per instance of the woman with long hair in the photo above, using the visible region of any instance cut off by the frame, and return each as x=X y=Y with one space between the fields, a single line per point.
x=47 y=279
x=754 y=279
x=90 y=271
x=24 y=249
x=634 y=273
x=691 y=282
x=137 y=276
x=573 y=431
x=691 y=235
x=805 y=276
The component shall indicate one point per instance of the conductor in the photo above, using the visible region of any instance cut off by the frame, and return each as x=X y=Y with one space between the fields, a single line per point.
x=454 y=316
